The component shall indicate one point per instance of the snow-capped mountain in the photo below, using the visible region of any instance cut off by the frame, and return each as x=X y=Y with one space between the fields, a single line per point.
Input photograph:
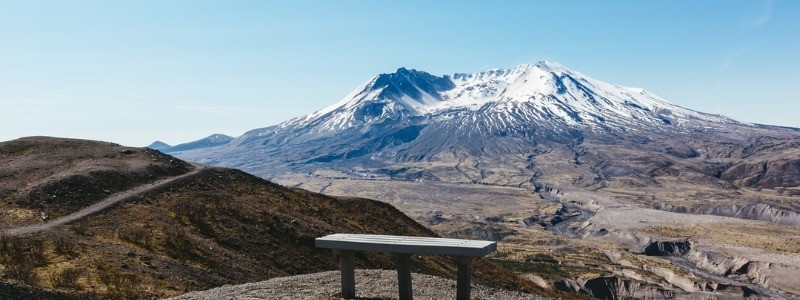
x=543 y=95
x=412 y=116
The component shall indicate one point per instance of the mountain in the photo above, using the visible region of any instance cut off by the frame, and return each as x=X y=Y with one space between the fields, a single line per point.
x=209 y=141
x=495 y=101
x=180 y=227
x=160 y=146
x=413 y=125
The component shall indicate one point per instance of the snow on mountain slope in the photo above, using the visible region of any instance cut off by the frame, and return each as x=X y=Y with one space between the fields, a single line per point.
x=542 y=94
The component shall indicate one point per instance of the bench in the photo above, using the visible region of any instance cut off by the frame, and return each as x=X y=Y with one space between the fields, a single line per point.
x=401 y=248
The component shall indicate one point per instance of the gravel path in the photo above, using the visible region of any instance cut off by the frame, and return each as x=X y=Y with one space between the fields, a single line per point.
x=98 y=206
x=370 y=284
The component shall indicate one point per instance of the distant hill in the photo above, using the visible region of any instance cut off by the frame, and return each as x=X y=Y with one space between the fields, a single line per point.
x=160 y=146
x=209 y=141
x=220 y=226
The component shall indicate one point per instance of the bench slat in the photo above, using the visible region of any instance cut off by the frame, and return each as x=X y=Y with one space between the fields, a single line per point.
x=406 y=244
x=400 y=238
x=405 y=241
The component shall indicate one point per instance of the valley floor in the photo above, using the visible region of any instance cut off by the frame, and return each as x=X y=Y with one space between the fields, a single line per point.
x=592 y=242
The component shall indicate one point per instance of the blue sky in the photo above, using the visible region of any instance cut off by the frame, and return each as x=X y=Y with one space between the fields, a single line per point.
x=133 y=72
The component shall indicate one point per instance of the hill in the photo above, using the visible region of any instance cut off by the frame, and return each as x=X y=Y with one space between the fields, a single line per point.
x=160 y=146
x=214 y=227
x=209 y=141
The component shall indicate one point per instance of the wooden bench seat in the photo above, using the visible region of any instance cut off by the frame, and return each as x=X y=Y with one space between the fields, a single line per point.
x=401 y=247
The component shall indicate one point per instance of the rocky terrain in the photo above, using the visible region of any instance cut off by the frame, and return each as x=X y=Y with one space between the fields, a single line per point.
x=550 y=161
x=370 y=284
x=207 y=228
x=597 y=243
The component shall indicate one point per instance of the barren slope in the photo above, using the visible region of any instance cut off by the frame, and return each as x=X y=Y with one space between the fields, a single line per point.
x=220 y=226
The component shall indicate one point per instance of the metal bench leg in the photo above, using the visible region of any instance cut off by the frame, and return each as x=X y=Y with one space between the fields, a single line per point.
x=463 y=289
x=348 y=275
x=404 y=275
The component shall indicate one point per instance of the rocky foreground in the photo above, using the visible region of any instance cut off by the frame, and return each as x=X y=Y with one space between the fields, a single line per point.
x=370 y=284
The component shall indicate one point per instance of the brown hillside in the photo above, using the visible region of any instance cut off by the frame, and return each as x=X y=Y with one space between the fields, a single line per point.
x=220 y=226
x=59 y=176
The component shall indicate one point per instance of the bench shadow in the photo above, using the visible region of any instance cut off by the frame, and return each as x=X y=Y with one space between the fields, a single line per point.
x=339 y=295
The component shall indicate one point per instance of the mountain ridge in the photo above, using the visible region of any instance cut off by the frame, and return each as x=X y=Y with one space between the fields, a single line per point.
x=213 y=140
x=554 y=89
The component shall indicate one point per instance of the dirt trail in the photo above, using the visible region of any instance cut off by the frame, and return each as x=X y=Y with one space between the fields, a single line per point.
x=97 y=207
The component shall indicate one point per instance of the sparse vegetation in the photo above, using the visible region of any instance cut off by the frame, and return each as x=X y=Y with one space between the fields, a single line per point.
x=21 y=257
x=218 y=226
x=63 y=246
x=540 y=257
x=136 y=235
x=67 y=278
x=120 y=285
x=179 y=246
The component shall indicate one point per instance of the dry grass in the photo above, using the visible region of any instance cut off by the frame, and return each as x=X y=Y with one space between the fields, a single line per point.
x=22 y=257
x=120 y=285
x=67 y=278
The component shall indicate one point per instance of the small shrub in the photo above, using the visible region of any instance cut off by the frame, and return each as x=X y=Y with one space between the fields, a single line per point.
x=63 y=246
x=22 y=271
x=35 y=252
x=67 y=278
x=179 y=245
x=540 y=257
x=136 y=235
x=21 y=256
x=119 y=285
x=79 y=228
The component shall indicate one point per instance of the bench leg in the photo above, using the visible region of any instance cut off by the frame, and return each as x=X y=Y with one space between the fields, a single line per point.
x=463 y=289
x=404 y=275
x=348 y=274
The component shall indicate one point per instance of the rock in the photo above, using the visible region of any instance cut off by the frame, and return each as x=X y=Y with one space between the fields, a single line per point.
x=667 y=248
